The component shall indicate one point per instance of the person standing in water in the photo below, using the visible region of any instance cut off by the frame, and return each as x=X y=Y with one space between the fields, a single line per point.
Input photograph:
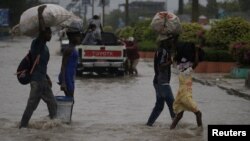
x=40 y=82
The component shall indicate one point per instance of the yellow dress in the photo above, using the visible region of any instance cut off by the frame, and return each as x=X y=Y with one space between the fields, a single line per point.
x=184 y=100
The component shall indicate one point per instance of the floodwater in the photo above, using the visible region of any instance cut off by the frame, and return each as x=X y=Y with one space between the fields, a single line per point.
x=107 y=108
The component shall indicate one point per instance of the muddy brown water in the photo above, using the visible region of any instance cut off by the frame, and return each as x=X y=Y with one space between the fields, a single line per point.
x=107 y=108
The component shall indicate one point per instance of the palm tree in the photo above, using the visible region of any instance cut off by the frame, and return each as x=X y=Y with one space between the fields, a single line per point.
x=126 y=12
x=180 y=9
x=195 y=10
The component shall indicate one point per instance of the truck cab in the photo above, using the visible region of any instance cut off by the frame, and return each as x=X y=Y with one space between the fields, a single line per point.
x=107 y=57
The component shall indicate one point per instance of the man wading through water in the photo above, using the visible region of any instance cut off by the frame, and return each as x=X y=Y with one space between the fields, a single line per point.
x=162 y=68
x=40 y=82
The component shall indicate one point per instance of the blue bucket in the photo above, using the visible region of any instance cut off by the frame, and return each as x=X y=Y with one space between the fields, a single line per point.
x=64 y=108
x=64 y=98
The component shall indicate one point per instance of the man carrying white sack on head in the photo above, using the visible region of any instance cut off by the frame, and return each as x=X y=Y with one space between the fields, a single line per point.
x=40 y=83
x=53 y=15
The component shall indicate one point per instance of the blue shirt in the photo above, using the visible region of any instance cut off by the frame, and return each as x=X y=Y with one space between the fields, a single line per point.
x=39 y=47
x=70 y=69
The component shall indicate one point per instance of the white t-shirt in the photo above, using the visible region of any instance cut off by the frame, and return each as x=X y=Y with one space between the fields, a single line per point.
x=185 y=68
x=96 y=22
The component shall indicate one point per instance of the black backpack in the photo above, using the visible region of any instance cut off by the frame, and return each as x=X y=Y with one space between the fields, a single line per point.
x=25 y=69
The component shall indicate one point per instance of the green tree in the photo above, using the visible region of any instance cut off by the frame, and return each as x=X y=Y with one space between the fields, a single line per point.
x=190 y=31
x=226 y=31
x=134 y=17
x=187 y=9
x=229 y=7
x=142 y=31
x=16 y=8
x=244 y=5
x=212 y=8
x=113 y=18
x=126 y=32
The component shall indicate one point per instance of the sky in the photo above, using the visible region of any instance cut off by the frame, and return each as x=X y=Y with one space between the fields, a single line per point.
x=172 y=5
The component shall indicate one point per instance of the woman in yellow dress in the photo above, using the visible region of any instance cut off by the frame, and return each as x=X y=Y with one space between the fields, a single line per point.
x=184 y=101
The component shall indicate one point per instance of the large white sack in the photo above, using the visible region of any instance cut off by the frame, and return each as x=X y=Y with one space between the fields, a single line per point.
x=166 y=23
x=53 y=15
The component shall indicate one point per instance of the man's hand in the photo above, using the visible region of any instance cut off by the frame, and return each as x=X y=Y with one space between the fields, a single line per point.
x=40 y=18
x=63 y=87
x=49 y=81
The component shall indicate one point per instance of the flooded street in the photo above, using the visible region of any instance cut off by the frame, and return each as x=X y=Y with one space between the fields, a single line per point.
x=107 y=108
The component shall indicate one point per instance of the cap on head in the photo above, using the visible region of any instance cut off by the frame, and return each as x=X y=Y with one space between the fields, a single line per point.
x=74 y=27
x=95 y=17
x=131 y=39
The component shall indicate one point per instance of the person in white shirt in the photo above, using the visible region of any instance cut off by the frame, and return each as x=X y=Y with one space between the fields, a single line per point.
x=97 y=22
x=91 y=37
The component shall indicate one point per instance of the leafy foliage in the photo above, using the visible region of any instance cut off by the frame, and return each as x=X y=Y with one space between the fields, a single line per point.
x=113 y=18
x=241 y=52
x=189 y=32
x=17 y=7
x=143 y=31
x=126 y=32
x=244 y=4
x=147 y=45
x=226 y=31
x=108 y=28
x=214 y=55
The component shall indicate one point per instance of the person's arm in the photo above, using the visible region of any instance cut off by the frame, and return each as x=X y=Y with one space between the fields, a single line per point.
x=66 y=56
x=167 y=63
x=196 y=61
x=131 y=47
x=86 y=38
x=166 y=59
x=101 y=28
x=40 y=18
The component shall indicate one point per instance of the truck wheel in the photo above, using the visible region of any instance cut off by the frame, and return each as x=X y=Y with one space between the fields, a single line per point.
x=120 y=73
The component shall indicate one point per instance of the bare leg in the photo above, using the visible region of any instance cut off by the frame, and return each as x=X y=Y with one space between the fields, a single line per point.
x=176 y=120
x=136 y=72
x=198 y=118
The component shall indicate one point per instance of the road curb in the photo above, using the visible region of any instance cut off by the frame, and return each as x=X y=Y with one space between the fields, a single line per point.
x=230 y=91
x=233 y=91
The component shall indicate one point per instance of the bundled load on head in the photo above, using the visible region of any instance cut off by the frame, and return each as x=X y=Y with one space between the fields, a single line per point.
x=166 y=24
x=54 y=15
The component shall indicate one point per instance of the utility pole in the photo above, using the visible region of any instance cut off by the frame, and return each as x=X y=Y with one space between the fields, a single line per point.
x=103 y=12
x=195 y=10
x=127 y=12
x=166 y=5
x=93 y=7
x=84 y=5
